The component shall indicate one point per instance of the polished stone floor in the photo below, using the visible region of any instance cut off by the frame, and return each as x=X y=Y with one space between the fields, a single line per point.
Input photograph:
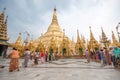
x=63 y=69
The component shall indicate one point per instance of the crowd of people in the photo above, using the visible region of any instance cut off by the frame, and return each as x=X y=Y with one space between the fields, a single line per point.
x=106 y=56
x=28 y=55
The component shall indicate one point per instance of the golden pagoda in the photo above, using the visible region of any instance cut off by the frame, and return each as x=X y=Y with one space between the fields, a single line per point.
x=64 y=47
x=3 y=33
x=3 y=26
x=31 y=46
x=93 y=43
x=53 y=47
x=105 y=42
x=53 y=38
x=115 y=42
x=83 y=42
x=19 y=45
x=80 y=44
x=72 y=47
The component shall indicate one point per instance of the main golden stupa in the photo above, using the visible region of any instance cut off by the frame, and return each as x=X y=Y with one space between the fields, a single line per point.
x=55 y=39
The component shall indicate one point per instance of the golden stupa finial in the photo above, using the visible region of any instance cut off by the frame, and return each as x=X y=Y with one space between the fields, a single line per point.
x=4 y=8
x=20 y=33
x=54 y=20
x=54 y=26
x=55 y=8
x=115 y=42
x=77 y=32
x=78 y=37
x=90 y=27
x=103 y=33
x=91 y=34
x=19 y=40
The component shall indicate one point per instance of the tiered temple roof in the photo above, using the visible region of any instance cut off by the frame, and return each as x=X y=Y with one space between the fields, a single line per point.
x=3 y=28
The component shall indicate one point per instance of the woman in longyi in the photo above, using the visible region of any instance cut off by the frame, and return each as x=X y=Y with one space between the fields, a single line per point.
x=14 y=62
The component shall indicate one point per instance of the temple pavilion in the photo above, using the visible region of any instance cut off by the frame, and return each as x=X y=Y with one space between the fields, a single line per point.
x=3 y=33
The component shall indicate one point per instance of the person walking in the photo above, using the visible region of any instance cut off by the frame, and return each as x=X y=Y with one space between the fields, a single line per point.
x=14 y=60
x=112 y=56
x=99 y=55
x=104 y=57
x=87 y=56
x=103 y=62
x=36 y=56
x=108 y=60
x=42 y=57
x=31 y=55
x=26 y=57
x=46 y=56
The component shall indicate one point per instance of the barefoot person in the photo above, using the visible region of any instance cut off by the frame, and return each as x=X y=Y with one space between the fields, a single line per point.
x=87 y=56
x=26 y=57
x=14 y=62
x=42 y=57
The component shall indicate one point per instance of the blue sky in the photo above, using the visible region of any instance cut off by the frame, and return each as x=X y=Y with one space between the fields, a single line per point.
x=34 y=16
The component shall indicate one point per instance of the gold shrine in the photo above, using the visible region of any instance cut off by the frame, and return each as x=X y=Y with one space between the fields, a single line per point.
x=54 y=39
x=80 y=45
x=93 y=43
x=115 y=42
x=104 y=40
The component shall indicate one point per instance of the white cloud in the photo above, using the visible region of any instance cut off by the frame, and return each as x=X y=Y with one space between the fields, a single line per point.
x=97 y=16
x=36 y=15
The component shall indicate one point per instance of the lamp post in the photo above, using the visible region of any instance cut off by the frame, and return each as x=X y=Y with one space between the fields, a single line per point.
x=118 y=32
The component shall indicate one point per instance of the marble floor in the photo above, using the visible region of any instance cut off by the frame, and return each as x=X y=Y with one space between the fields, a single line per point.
x=62 y=69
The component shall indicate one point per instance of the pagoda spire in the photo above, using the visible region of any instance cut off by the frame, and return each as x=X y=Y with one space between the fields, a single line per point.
x=31 y=45
x=104 y=40
x=83 y=39
x=91 y=34
x=54 y=19
x=18 y=41
x=93 y=44
x=103 y=34
x=19 y=45
x=54 y=26
x=115 y=42
x=78 y=37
